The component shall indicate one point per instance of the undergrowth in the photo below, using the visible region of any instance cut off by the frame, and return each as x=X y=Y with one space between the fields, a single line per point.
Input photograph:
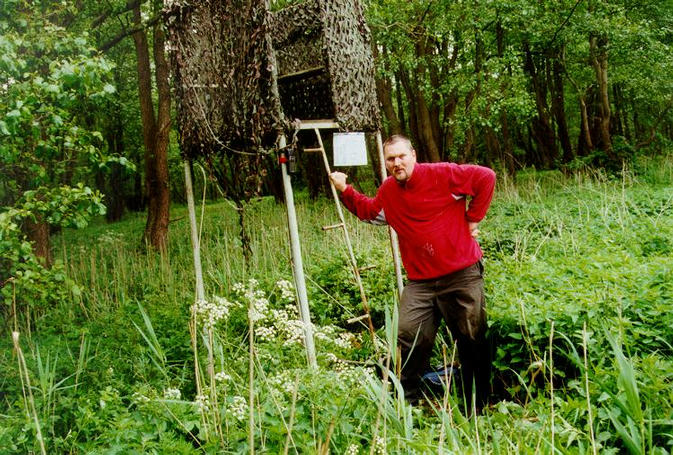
x=579 y=280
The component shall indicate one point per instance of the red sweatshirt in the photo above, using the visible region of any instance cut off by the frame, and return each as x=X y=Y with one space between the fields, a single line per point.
x=429 y=214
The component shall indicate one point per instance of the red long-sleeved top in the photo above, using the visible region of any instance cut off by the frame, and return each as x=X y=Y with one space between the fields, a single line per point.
x=429 y=214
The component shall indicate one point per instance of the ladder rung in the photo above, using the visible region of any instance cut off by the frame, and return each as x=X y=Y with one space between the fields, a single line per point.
x=368 y=267
x=334 y=226
x=358 y=319
x=313 y=150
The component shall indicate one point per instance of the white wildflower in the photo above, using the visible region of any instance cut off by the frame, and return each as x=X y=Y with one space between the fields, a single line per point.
x=286 y=290
x=172 y=393
x=352 y=449
x=222 y=377
x=379 y=446
x=210 y=313
x=294 y=332
x=282 y=382
x=202 y=402
x=137 y=397
x=292 y=309
x=238 y=408
x=279 y=318
x=345 y=340
x=331 y=358
x=348 y=374
x=370 y=372
x=325 y=333
x=265 y=333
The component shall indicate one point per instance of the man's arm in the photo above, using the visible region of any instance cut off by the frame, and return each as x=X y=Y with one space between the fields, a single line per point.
x=366 y=208
x=475 y=181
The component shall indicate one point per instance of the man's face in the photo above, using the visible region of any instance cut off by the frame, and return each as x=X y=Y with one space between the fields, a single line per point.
x=400 y=160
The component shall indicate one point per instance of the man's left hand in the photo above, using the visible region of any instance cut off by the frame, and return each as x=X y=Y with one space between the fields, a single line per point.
x=474 y=229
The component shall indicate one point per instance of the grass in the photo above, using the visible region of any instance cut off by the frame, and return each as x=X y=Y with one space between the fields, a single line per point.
x=579 y=278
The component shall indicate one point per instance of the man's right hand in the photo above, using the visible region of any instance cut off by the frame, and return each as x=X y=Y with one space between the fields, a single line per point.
x=338 y=180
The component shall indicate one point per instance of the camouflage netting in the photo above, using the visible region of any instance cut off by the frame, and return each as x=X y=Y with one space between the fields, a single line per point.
x=222 y=67
x=325 y=64
x=242 y=73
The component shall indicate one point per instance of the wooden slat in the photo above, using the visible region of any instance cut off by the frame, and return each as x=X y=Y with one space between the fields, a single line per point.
x=322 y=124
x=302 y=73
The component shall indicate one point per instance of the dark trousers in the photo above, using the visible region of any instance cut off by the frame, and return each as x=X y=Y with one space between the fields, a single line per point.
x=458 y=298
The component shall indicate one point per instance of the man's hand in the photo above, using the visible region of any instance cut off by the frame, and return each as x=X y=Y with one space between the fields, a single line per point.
x=474 y=228
x=338 y=180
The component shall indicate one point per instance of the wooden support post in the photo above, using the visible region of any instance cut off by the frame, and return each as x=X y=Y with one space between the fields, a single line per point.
x=297 y=264
x=351 y=255
x=200 y=291
x=196 y=241
x=394 y=245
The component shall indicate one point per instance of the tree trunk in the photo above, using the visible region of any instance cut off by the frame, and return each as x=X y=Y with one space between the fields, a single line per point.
x=155 y=132
x=450 y=107
x=541 y=130
x=620 y=103
x=159 y=234
x=599 y=61
x=584 y=144
x=493 y=150
x=385 y=95
x=400 y=104
x=146 y=116
x=558 y=109
x=425 y=126
x=450 y=102
x=425 y=137
x=37 y=232
x=507 y=149
x=114 y=188
x=414 y=127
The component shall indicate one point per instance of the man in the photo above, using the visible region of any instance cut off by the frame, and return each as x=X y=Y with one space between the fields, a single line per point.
x=426 y=204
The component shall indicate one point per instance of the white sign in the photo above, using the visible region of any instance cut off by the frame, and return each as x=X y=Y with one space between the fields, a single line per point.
x=350 y=149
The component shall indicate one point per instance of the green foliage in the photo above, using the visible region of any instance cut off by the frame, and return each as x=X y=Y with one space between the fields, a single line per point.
x=32 y=282
x=115 y=371
x=51 y=83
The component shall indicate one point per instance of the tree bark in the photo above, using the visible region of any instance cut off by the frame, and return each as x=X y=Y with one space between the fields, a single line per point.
x=558 y=108
x=425 y=123
x=507 y=149
x=414 y=127
x=155 y=132
x=599 y=61
x=541 y=130
x=585 y=141
x=385 y=95
x=161 y=180
x=400 y=104
x=114 y=193
x=37 y=232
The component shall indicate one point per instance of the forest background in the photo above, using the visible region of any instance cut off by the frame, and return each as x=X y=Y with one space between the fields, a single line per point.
x=579 y=89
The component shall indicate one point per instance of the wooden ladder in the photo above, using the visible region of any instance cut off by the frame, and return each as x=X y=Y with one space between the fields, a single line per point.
x=316 y=126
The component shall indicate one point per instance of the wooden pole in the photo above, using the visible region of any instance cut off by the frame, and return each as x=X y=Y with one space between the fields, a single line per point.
x=394 y=245
x=196 y=242
x=297 y=264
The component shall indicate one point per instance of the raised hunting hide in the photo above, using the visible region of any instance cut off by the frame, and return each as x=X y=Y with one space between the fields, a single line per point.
x=243 y=74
